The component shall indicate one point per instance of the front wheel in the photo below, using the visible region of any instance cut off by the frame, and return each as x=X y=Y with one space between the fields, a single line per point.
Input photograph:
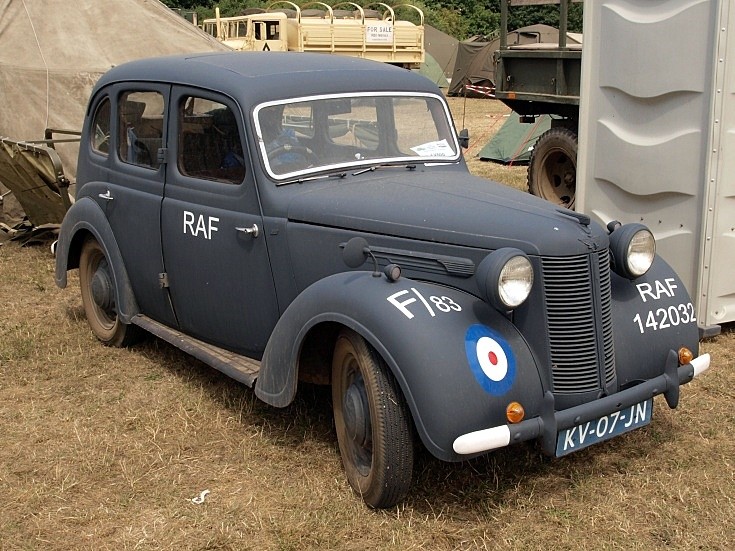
x=99 y=297
x=552 y=169
x=372 y=422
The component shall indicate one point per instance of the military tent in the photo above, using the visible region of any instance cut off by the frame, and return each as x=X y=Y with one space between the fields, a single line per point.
x=515 y=140
x=473 y=67
x=442 y=48
x=431 y=70
x=53 y=51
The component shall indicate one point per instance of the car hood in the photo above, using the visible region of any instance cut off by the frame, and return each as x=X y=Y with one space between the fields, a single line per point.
x=447 y=207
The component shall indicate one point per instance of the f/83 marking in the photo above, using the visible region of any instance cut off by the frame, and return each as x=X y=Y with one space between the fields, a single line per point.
x=441 y=304
x=663 y=318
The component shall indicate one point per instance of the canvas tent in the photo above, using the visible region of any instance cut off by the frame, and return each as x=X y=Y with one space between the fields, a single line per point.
x=475 y=66
x=442 y=48
x=53 y=51
x=430 y=69
x=515 y=140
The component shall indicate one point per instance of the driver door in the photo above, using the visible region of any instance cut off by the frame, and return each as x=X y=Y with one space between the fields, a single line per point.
x=216 y=259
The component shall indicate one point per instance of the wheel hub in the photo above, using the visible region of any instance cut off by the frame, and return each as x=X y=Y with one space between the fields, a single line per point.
x=102 y=289
x=357 y=414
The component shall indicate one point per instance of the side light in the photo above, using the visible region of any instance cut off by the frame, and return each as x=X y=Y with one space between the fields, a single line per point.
x=514 y=412
x=392 y=272
x=505 y=278
x=633 y=249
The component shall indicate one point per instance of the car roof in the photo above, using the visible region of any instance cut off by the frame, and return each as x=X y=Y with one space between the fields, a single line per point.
x=254 y=77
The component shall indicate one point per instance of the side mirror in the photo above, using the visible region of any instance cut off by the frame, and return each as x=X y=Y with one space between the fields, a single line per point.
x=464 y=138
x=355 y=253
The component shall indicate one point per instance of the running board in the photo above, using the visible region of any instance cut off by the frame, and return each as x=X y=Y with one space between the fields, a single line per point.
x=236 y=366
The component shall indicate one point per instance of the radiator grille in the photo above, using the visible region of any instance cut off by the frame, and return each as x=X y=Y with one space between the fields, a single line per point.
x=571 y=285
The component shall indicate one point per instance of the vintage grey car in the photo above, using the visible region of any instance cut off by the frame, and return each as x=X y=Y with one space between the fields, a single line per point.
x=291 y=217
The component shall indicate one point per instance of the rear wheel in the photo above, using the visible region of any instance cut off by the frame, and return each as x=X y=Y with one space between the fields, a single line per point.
x=372 y=422
x=99 y=297
x=552 y=169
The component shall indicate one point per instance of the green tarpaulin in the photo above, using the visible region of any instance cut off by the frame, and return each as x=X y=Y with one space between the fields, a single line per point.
x=515 y=140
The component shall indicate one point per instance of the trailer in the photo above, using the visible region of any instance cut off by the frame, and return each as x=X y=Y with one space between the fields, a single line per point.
x=344 y=29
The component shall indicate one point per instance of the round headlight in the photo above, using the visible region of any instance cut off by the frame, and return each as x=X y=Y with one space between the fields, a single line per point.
x=505 y=278
x=633 y=250
x=515 y=281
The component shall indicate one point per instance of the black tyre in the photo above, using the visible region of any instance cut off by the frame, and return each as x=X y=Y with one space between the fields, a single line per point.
x=372 y=421
x=98 y=297
x=552 y=169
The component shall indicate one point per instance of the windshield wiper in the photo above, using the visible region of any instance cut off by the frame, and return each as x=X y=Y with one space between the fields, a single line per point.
x=384 y=165
x=339 y=175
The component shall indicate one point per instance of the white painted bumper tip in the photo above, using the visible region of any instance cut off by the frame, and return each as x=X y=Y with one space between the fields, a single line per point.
x=482 y=440
x=700 y=364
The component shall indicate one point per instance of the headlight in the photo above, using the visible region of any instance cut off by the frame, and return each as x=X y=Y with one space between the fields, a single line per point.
x=505 y=278
x=633 y=249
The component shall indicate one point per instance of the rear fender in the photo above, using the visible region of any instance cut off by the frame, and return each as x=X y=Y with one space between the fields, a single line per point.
x=428 y=336
x=85 y=217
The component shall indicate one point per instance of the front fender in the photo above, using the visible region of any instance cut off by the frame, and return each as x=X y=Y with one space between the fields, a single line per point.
x=83 y=218
x=651 y=315
x=429 y=336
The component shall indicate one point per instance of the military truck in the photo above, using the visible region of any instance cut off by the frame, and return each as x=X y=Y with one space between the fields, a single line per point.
x=345 y=29
x=544 y=79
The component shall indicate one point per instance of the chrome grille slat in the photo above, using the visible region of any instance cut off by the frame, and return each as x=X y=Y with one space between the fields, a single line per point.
x=573 y=324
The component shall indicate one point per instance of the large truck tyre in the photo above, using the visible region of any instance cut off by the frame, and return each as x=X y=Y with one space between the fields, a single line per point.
x=552 y=170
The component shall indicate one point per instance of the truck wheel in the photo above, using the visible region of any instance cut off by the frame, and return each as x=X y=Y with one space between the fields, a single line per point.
x=552 y=170
x=372 y=422
x=98 y=297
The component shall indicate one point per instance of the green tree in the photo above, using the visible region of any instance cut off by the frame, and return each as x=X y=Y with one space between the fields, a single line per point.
x=458 y=18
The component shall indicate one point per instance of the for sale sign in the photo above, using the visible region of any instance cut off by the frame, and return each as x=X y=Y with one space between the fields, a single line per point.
x=380 y=33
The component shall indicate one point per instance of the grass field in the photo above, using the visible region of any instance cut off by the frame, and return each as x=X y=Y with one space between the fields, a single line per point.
x=105 y=448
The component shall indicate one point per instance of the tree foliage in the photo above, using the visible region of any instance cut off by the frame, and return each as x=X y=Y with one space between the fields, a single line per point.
x=458 y=18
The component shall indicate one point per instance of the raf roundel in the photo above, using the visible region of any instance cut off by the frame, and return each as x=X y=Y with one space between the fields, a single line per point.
x=491 y=359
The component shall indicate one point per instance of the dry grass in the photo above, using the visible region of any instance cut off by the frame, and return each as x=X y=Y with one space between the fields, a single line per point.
x=104 y=449
x=483 y=118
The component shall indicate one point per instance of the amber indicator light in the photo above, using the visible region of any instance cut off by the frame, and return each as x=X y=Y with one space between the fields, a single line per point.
x=514 y=412
x=685 y=355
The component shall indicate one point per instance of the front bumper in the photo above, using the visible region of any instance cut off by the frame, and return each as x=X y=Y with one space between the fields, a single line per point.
x=550 y=422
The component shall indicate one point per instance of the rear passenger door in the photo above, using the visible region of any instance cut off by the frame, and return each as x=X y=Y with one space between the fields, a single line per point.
x=127 y=182
x=215 y=255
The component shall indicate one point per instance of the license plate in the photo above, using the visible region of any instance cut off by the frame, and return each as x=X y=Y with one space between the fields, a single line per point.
x=604 y=428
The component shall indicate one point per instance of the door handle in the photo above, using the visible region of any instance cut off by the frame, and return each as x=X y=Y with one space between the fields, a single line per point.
x=107 y=196
x=252 y=230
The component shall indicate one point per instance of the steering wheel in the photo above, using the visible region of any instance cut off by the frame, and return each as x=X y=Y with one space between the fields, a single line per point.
x=296 y=156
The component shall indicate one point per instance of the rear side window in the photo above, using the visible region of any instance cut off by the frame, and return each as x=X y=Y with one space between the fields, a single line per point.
x=140 y=123
x=209 y=141
x=100 y=135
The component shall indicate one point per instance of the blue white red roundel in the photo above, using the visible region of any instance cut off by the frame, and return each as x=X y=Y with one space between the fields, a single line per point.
x=491 y=359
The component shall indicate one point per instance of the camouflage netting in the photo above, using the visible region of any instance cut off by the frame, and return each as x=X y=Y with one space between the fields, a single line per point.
x=53 y=51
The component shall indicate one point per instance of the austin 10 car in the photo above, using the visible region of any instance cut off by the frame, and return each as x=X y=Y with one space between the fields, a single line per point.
x=289 y=217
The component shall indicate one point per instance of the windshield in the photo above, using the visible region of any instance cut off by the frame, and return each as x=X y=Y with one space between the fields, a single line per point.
x=309 y=135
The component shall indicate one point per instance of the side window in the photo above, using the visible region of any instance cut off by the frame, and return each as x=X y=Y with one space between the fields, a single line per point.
x=101 y=128
x=140 y=123
x=209 y=141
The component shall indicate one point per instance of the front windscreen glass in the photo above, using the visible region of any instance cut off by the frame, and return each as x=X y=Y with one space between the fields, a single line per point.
x=312 y=135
